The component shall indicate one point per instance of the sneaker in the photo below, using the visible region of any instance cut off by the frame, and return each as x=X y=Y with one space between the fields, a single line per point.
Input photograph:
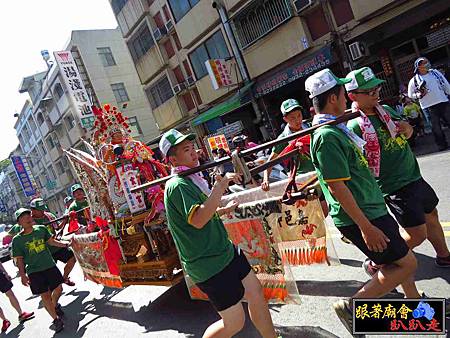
x=6 y=325
x=67 y=281
x=443 y=262
x=59 y=311
x=26 y=316
x=370 y=268
x=58 y=325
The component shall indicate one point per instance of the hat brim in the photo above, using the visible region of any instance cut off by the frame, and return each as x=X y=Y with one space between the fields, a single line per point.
x=41 y=208
x=287 y=111
x=372 y=83
x=342 y=80
x=190 y=137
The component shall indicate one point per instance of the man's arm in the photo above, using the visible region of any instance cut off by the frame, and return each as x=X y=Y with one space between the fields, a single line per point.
x=375 y=239
x=22 y=274
x=203 y=213
x=265 y=184
x=60 y=244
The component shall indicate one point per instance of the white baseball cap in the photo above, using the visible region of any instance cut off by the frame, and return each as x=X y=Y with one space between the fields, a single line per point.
x=323 y=81
x=172 y=138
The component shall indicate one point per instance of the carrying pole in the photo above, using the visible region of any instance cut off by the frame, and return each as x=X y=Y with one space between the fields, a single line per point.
x=341 y=119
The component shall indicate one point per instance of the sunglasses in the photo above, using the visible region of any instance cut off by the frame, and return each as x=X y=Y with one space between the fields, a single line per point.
x=371 y=92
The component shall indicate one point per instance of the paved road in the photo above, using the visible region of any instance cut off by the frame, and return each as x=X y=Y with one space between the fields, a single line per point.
x=140 y=311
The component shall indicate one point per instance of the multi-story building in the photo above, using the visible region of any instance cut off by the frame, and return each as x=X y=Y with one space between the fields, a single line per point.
x=47 y=124
x=281 y=41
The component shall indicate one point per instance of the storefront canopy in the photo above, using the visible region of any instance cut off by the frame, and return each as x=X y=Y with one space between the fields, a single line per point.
x=242 y=97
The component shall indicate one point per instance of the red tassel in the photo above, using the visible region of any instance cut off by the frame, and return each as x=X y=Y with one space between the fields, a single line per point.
x=73 y=222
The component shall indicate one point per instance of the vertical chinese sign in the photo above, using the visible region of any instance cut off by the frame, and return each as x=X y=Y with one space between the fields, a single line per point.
x=219 y=73
x=75 y=85
x=24 y=175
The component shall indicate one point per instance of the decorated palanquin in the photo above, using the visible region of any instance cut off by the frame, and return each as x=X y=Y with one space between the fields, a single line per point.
x=135 y=221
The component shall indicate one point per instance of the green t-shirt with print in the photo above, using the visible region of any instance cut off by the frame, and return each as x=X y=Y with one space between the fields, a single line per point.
x=336 y=158
x=305 y=164
x=77 y=206
x=203 y=252
x=41 y=221
x=34 y=249
x=398 y=165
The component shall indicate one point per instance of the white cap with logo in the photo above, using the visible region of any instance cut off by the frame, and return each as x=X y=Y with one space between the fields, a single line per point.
x=322 y=81
x=172 y=138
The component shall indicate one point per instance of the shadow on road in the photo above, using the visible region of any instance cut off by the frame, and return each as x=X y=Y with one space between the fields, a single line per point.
x=14 y=333
x=428 y=269
x=344 y=288
x=351 y=262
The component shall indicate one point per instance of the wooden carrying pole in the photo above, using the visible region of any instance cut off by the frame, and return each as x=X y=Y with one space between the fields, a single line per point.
x=341 y=119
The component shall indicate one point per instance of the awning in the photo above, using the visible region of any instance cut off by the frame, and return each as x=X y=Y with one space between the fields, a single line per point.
x=242 y=97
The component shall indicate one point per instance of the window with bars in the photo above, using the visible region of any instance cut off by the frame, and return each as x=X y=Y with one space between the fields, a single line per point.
x=260 y=19
x=117 y=5
x=120 y=92
x=106 y=56
x=181 y=7
x=134 y=126
x=213 y=48
x=58 y=91
x=70 y=121
x=141 y=42
x=160 y=92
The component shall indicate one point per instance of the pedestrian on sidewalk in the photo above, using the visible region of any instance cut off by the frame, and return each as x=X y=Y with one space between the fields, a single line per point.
x=37 y=268
x=6 y=287
x=355 y=201
x=41 y=215
x=432 y=90
x=210 y=259
x=392 y=162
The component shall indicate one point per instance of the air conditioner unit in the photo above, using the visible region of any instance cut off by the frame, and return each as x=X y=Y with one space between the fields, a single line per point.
x=190 y=81
x=169 y=26
x=178 y=88
x=357 y=50
x=301 y=5
x=159 y=33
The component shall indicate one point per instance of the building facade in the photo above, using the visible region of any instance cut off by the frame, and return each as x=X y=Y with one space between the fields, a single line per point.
x=281 y=41
x=48 y=122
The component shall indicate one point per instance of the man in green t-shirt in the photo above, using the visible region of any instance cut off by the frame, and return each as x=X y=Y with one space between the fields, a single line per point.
x=355 y=201
x=206 y=254
x=37 y=268
x=41 y=216
x=292 y=115
x=410 y=198
x=80 y=202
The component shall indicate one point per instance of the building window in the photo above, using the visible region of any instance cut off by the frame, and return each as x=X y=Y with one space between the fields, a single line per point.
x=168 y=47
x=42 y=148
x=141 y=42
x=120 y=92
x=159 y=20
x=181 y=7
x=188 y=101
x=52 y=141
x=177 y=41
x=317 y=23
x=134 y=126
x=40 y=118
x=213 y=48
x=106 y=56
x=58 y=91
x=166 y=13
x=59 y=168
x=178 y=74
x=259 y=20
x=117 y=5
x=342 y=11
x=159 y=93
x=70 y=121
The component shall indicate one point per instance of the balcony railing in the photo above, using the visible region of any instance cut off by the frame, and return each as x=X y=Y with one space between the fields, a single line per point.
x=260 y=19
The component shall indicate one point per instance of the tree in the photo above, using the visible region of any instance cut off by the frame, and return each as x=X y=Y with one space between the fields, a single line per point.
x=4 y=164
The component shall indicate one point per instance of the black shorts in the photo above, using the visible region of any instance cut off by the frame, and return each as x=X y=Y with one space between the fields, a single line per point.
x=47 y=280
x=396 y=248
x=63 y=255
x=410 y=203
x=5 y=283
x=225 y=289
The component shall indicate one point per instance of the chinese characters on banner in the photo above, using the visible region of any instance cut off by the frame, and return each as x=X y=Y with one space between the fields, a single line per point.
x=217 y=142
x=129 y=179
x=219 y=73
x=78 y=93
x=24 y=175
x=395 y=316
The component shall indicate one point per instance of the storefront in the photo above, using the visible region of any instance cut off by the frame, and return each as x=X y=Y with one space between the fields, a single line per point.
x=394 y=45
x=288 y=81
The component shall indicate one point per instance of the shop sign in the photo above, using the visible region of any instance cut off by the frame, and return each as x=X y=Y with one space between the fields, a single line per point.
x=231 y=129
x=24 y=175
x=439 y=37
x=217 y=142
x=305 y=67
x=219 y=73
x=77 y=91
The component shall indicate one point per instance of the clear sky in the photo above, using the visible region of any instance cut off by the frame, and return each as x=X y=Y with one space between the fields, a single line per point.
x=26 y=28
